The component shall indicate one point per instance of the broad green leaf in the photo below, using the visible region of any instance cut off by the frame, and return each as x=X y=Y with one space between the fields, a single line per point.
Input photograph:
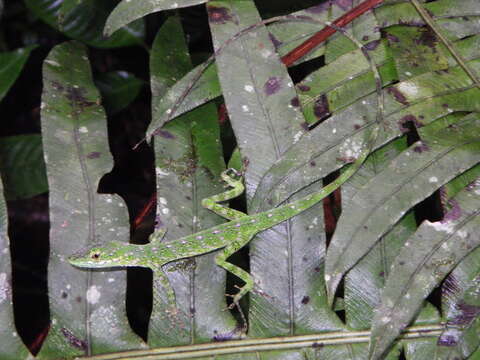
x=11 y=64
x=427 y=257
x=257 y=95
x=188 y=162
x=386 y=198
x=127 y=11
x=118 y=89
x=85 y=22
x=326 y=148
x=11 y=346
x=364 y=282
x=22 y=166
x=87 y=308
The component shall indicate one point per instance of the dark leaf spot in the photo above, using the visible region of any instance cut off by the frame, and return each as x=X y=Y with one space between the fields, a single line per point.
x=397 y=95
x=276 y=43
x=356 y=126
x=321 y=109
x=272 y=85
x=427 y=38
x=316 y=269
x=164 y=133
x=316 y=345
x=303 y=87
x=295 y=101
x=392 y=38
x=73 y=340
x=304 y=258
x=409 y=122
x=421 y=148
x=78 y=299
x=455 y=211
x=219 y=15
x=313 y=163
x=381 y=274
x=467 y=313
x=94 y=155
x=372 y=45
x=365 y=38
x=64 y=295
x=447 y=340
x=305 y=300
x=76 y=96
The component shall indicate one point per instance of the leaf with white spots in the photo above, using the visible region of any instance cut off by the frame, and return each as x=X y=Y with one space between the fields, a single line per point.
x=188 y=160
x=11 y=346
x=426 y=258
x=387 y=197
x=77 y=155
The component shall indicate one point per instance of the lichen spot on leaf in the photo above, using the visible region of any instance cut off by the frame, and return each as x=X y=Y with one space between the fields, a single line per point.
x=219 y=15
x=273 y=85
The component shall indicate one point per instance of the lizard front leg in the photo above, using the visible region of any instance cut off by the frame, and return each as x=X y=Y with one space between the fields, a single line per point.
x=212 y=202
x=221 y=260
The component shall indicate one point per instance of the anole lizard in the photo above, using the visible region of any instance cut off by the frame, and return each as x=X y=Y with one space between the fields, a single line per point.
x=230 y=236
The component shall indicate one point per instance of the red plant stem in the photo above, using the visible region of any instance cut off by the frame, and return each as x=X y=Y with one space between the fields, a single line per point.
x=288 y=60
x=328 y=31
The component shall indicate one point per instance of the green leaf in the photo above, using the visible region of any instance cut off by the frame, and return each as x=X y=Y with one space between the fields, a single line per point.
x=427 y=165
x=22 y=166
x=11 y=346
x=188 y=160
x=11 y=64
x=87 y=312
x=427 y=257
x=119 y=89
x=85 y=21
x=128 y=11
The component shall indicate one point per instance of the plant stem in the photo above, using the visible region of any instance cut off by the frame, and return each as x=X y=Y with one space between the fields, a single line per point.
x=265 y=344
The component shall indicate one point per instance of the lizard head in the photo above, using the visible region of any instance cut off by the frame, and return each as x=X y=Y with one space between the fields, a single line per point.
x=112 y=254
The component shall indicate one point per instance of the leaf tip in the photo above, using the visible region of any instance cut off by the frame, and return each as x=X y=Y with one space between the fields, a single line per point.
x=331 y=283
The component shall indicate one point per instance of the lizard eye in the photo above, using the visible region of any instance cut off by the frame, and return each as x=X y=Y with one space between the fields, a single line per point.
x=95 y=255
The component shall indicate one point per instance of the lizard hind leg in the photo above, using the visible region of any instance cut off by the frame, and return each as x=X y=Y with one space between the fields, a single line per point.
x=237 y=188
